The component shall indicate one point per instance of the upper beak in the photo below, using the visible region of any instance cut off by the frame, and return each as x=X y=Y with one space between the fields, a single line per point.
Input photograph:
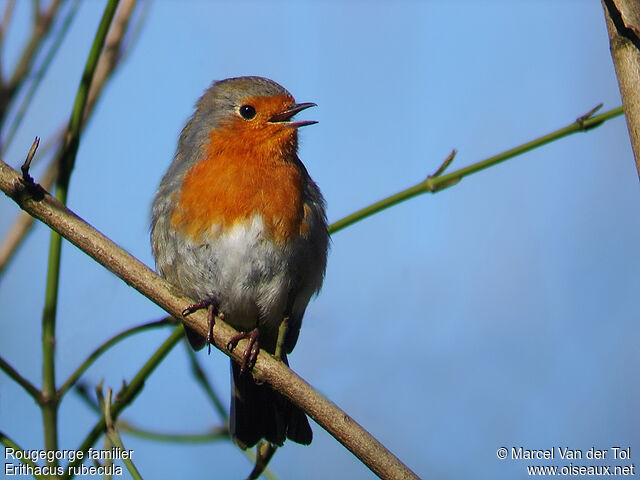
x=284 y=116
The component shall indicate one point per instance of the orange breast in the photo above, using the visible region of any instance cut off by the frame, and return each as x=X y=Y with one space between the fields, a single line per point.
x=237 y=179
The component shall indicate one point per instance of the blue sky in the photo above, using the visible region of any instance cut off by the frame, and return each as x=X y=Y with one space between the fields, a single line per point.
x=500 y=312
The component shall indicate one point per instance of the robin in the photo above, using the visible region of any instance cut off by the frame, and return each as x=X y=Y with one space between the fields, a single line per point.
x=240 y=227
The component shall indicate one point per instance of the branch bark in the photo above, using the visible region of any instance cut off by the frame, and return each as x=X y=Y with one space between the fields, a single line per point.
x=43 y=206
x=623 y=25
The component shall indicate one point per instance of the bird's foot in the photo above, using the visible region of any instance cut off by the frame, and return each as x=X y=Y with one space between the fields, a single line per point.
x=212 y=311
x=251 y=353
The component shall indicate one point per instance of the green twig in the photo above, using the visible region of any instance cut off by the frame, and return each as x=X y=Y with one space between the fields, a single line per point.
x=68 y=155
x=128 y=392
x=282 y=334
x=201 y=378
x=437 y=182
x=67 y=160
x=73 y=378
x=8 y=443
x=265 y=451
x=114 y=437
x=19 y=379
x=214 y=434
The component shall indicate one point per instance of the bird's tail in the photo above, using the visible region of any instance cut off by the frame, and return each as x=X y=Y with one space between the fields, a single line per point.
x=259 y=412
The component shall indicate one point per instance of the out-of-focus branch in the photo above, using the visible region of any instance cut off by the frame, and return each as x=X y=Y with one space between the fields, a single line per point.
x=73 y=378
x=41 y=27
x=20 y=380
x=267 y=369
x=114 y=437
x=111 y=54
x=38 y=76
x=203 y=381
x=623 y=25
x=4 y=26
x=24 y=458
x=109 y=61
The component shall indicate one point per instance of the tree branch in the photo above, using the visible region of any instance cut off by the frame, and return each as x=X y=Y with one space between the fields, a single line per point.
x=623 y=25
x=267 y=369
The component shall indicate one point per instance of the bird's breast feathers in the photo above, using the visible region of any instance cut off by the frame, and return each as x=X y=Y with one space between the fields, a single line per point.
x=230 y=186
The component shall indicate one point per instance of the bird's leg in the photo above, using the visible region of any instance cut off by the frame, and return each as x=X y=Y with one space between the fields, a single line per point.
x=212 y=311
x=251 y=353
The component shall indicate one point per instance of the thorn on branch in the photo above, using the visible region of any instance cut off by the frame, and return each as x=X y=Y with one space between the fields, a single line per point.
x=583 y=118
x=445 y=164
x=27 y=163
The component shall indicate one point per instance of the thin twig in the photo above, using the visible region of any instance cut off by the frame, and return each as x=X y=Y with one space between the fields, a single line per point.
x=128 y=393
x=73 y=378
x=29 y=387
x=4 y=22
x=111 y=55
x=41 y=28
x=8 y=443
x=201 y=378
x=37 y=78
x=115 y=439
x=265 y=451
x=212 y=434
x=4 y=26
x=433 y=184
x=132 y=38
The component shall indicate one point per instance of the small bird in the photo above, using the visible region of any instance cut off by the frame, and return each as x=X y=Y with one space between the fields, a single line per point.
x=239 y=226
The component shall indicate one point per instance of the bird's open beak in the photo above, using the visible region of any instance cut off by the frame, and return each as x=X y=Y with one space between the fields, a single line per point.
x=283 y=117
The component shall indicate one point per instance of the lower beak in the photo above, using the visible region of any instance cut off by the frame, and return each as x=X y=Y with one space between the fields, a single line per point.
x=283 y=117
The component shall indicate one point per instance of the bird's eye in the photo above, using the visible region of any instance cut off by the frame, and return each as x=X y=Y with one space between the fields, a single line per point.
x=247 y=112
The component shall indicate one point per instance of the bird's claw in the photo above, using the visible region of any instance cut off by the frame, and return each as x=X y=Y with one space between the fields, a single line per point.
x=212 y=311
x=251 y=353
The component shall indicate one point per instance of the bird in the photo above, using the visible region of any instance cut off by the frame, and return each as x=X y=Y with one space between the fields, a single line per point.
x=239 y=226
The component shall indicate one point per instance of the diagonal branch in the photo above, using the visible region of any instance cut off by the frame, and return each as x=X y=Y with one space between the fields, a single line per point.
x=73 y=378
x=26 y=384
x=24 y=458
x=436 y=182
x=267 y=369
